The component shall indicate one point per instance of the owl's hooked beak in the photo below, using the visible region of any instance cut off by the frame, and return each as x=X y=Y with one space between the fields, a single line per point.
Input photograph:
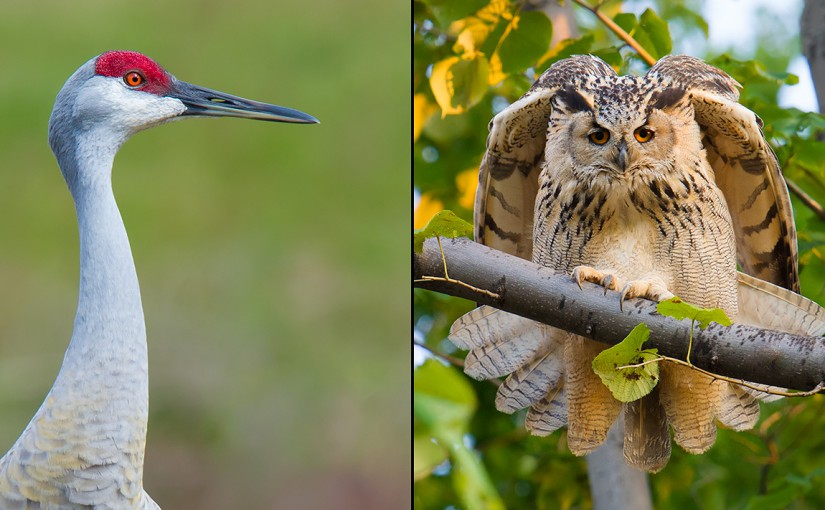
x=622 y=157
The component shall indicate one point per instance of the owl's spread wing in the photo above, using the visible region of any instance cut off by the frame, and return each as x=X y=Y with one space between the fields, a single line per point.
x=769 y=306
x=745 y=168
x=509 y=171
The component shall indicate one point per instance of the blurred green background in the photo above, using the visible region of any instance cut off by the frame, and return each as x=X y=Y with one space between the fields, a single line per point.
x=279 y=367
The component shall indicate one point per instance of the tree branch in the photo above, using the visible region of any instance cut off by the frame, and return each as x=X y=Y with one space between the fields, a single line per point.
x=806 y=199
x=619 y=31
x=538 y=293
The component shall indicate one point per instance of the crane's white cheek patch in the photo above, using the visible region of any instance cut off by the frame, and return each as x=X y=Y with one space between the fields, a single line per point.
x=106 y=101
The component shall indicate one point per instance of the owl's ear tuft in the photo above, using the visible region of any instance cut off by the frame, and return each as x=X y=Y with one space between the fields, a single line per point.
x=667 y=98
x=572 y=100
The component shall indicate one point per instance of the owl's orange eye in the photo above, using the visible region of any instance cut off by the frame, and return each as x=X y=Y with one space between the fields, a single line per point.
x=599 y=136
x=133 y=79
x=643 y=134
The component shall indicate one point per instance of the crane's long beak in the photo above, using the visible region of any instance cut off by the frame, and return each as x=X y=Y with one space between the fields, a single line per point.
x=204 y=102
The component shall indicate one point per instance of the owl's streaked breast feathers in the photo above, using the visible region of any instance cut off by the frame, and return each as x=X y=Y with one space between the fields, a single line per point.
x=565 y=183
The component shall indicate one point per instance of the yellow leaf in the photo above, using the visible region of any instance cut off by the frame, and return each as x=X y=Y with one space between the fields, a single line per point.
x=458 y=83
x=496 y=9
x=426 y=209
x=466 y=42
x=484 y=21
x=467 y=182
x=422 y=110
x=496 y=75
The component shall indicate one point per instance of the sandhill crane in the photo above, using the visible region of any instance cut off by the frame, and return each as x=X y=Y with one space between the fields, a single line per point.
x=84 y=446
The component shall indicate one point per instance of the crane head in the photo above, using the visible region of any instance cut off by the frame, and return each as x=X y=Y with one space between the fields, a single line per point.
x=119 y=93
x=134 y=72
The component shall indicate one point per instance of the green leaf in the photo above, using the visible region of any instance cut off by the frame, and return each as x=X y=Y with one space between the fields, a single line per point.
x=564 y=49
x=783 y=492
x=678 y=309
x=649 y=30
x=689 y=17
x=810 y=155
x=626 y=20
x=442 y=397
x=812 y=274
x=749 y=71
x=443 y=403
x=528 y=39
x=427 y=455
x=443 y=224
x=657 y=34
x=610 y=55
x=775 y=500
x=458 y=83
x=628 y=384
x=447 y=11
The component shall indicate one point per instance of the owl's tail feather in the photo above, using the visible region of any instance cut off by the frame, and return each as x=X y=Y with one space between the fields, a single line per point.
x=548 y=414
x=499 y=342
x=646 y=433
x=535 y=381
x=591 y=408
x=691 y=401
x=739 y=410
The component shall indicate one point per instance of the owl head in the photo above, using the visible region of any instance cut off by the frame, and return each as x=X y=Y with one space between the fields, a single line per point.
x=621 y=127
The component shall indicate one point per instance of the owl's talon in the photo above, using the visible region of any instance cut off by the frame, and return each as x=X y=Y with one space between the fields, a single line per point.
x=653 y=289
x=609 y=282
x=588 y=274
x=625 y=291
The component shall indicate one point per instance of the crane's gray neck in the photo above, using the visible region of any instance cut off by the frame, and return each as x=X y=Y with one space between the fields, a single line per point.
x=109 y=312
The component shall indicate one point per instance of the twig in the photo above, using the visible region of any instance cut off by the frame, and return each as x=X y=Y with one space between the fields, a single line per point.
x=643 y=363
x=806 y=199
x=457 y=282
x=741 y=382
x=446 y=278
x=619 y=31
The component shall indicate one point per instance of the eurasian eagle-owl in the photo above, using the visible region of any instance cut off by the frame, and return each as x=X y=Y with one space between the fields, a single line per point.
x=653 y=185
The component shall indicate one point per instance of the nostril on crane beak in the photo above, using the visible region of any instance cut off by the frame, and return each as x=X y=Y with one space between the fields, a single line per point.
x=203 y=102
x=622 y=157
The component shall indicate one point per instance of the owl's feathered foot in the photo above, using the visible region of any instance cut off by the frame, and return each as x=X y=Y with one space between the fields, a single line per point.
x=648 y=287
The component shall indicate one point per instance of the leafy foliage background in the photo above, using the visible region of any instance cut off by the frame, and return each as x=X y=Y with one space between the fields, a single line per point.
x=471 y=59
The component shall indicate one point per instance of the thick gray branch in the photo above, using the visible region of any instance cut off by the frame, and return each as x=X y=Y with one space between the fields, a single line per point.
x=538 y=293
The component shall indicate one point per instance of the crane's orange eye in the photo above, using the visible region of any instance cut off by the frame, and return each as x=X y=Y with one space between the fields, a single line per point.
x=643 y=134
x=133 y=79
x=599 y=136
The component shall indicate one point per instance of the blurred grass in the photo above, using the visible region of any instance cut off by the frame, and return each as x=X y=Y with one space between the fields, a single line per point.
x=279 y=371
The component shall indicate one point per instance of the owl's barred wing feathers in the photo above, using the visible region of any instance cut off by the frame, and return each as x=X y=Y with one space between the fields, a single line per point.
x=745 y=167
x=509 y=173
x=769 y=306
